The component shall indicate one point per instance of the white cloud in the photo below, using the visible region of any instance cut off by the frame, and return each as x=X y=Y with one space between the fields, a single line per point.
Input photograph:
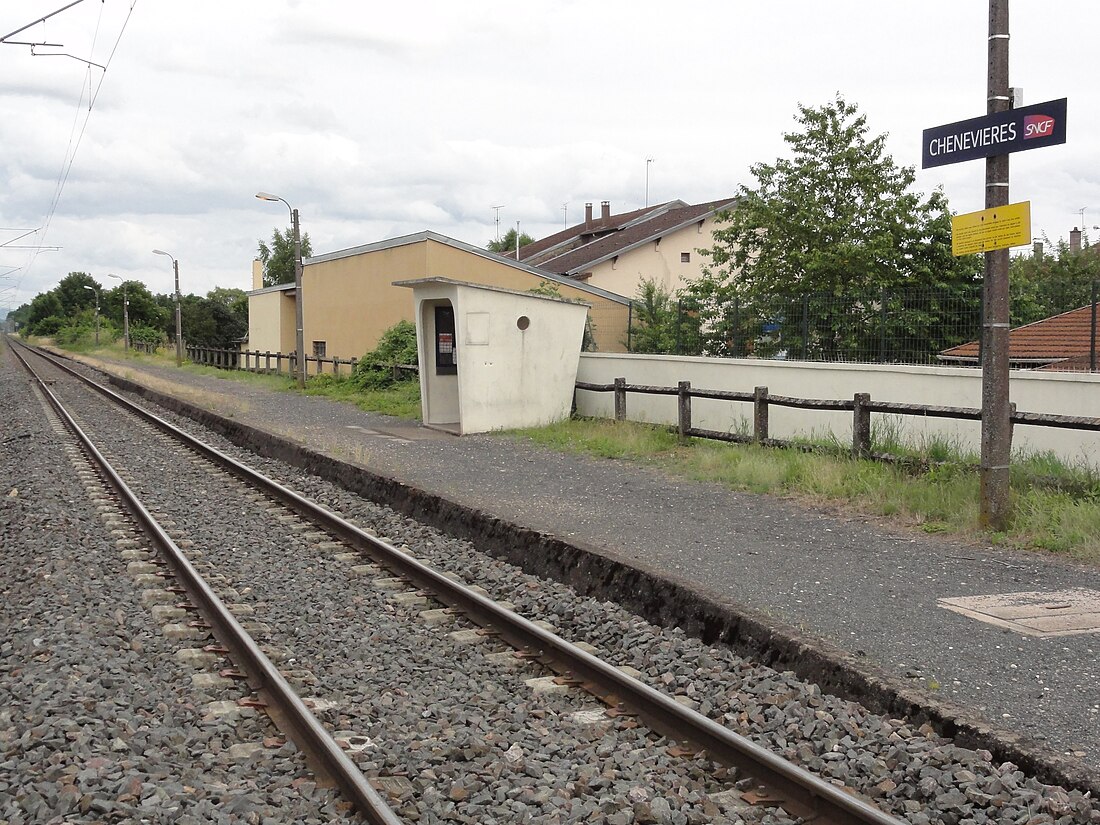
x=382 y=120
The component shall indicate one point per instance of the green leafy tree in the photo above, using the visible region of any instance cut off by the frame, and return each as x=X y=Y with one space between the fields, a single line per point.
x=210 y=323
x=836 y=221
x=655 y=319
x=46 y=314
x=278 y=258
x=73 y=295
x=508 y=243
x=145 y=311
x=1060 y=280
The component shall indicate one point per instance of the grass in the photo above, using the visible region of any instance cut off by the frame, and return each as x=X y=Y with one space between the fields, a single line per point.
x=401 y=400
x=943 y=499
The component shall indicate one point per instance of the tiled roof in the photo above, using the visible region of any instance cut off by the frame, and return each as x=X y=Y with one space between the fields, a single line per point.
x=575 y=235
x=1064 y=340
x=571 y=251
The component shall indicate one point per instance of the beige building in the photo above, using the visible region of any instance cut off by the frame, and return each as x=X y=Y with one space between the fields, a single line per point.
x=350 y=299
x=618 y=252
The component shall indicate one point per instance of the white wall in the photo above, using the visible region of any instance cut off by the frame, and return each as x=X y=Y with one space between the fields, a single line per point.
x=1039 y=392
x=513 y=377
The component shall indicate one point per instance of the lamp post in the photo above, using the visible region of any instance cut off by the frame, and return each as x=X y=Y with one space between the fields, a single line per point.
x=96 y=291
x=179 y=324
x=125 y=315
x=299 y=336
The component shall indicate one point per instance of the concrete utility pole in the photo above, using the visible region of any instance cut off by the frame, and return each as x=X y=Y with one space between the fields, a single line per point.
x=299 y=298
x=179 y=316
x=125 y=315
x=996 y=510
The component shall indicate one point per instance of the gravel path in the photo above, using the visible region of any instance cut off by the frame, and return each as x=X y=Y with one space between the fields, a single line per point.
x=916 y=774
x=870 y=589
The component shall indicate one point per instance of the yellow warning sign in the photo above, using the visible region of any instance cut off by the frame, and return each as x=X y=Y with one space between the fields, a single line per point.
x=998 y=228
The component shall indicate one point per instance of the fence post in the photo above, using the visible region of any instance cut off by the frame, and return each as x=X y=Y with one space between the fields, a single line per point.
x=683 y=409
x=760 y=415
x=805 y=326
x=861 y=425
x=679 y=325
x=620 y=399
x=882 y=327
x=1092 y=337
x=736 y=353
x=1011 y=423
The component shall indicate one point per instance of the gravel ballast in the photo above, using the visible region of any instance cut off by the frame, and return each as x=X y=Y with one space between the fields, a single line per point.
x=98 y=719
x=915 y=773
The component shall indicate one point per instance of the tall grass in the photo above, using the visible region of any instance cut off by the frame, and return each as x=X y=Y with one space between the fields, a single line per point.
x=941 y=499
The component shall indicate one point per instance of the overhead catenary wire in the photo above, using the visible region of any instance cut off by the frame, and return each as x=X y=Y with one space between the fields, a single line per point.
x=74 y=145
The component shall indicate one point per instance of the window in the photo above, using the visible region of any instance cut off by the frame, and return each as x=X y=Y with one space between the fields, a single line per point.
x=685 y=257
x=318 y=349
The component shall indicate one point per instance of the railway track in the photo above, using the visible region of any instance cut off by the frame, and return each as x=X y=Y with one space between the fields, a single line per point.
x=321 y=549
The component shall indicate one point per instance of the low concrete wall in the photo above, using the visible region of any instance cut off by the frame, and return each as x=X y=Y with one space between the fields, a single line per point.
x=1040 y=392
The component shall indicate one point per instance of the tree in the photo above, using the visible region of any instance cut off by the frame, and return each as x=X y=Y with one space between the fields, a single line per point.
x=1053 y=283
x=278 y=259
x=46 y=314
x=508 y=242
x=235 y=300
x=836 y=219
x=655 y=320
x=72 y=294
x=145 y=311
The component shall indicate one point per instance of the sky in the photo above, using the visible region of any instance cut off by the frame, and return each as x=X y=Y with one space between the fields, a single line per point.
x=379 y=120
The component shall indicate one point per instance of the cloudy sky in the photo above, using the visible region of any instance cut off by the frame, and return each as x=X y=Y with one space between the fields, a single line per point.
x=377 y=120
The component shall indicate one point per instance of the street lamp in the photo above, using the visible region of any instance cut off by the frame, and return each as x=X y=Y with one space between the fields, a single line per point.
x=179 y=324
x=299 y=337
x=125 y=315
x=96 y=291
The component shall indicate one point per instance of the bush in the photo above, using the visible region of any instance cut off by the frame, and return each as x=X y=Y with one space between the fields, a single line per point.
x=396 y=346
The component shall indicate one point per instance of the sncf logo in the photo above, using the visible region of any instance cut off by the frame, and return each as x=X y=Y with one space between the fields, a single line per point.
x=1038 y=126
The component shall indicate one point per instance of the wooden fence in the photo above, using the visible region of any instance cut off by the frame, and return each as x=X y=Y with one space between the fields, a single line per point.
x=279 y=362
x=861 y=407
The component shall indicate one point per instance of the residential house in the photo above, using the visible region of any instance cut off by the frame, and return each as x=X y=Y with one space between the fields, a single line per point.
x=617 y=252
x=350 y=299
x=1061 y=342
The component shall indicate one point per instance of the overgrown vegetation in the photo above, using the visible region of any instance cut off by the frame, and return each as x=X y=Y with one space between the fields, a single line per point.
x=942 y=499
x=396 y=347
x=67 y=313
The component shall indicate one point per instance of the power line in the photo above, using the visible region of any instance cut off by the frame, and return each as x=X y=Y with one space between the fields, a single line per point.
x=70 y=156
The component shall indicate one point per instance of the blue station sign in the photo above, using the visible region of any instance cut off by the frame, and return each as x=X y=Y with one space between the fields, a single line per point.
x=1029 y=127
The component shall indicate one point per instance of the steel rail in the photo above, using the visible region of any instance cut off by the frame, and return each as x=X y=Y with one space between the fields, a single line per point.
x=796 y=789
x=308 y=734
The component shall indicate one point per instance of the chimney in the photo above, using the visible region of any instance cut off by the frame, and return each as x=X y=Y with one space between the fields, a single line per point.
x=1037 y=250
x=588 y=214
x=257 y=274
x=1075 y=240
x=605 y=210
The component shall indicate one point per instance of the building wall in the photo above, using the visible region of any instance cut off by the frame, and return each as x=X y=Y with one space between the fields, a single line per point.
x=351 y=301
x=1057 y=393
x=658 y=261
x=271 y=322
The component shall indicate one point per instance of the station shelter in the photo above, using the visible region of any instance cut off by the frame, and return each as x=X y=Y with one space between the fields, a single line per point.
x=492 y=358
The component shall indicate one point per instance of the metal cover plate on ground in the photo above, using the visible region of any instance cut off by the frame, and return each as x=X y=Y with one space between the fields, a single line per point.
x=1034 y=613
